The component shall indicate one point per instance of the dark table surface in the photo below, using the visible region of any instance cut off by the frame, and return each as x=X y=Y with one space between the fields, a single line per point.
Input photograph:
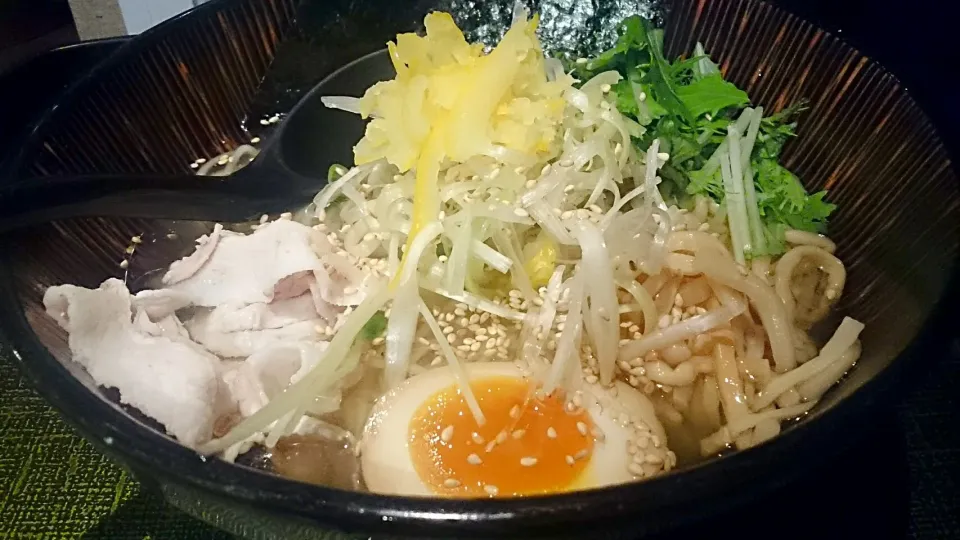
x=901 y=481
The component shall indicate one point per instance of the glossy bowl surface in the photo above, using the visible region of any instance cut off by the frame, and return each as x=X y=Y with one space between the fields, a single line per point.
x=199 y=84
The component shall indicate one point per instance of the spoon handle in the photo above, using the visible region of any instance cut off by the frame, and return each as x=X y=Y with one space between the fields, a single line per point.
x=161 y=197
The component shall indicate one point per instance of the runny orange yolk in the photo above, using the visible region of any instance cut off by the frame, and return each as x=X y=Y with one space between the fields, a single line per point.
x=521 y=450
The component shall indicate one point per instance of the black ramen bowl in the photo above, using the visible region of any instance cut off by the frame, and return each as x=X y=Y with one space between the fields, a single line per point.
x=198 y=85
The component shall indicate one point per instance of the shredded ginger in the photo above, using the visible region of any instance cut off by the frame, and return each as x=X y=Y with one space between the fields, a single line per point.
x=449 y=101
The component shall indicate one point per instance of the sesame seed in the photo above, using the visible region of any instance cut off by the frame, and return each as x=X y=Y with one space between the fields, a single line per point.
x=591 y=379
x=581 y=454
x=577 y=400
x=520 y=212
x=447 y=434
x=501 y=437
x=528 y=461
x=264 y=122
x=474 y=459
x=636 y=469
x=124 y=264
x=476 y=437
x=514 y=411
x=255 y=140
x=605 y=88
x=490 y=446
x=518 y=434
x=194 y=166
x=551 y=433
x=569 y=460
x=450 y=483
x=491 y=489
x=582 y=428
x=663 y=156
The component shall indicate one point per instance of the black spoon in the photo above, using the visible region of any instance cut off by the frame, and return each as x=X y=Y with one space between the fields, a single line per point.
x=290 y=169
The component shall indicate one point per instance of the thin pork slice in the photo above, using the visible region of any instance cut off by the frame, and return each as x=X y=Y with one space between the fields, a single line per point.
x=262 y=376
x=247 y=269
x=160 y=303
x=191 y=264
x=168 y=327
x=234 y=317
x=166 y=379
x=203 y=328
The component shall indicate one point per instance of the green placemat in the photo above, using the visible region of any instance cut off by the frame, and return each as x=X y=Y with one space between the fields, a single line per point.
x=53 y=484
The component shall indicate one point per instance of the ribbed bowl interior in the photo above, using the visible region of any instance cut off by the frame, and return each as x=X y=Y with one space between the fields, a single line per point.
x=193 y=87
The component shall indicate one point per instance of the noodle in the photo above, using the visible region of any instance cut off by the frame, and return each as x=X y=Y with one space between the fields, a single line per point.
x=695 y=291
x=804 y=238
x=836 y=278
x=814 y=387
x=768 y=306
x=843 y=339
x=731 y=387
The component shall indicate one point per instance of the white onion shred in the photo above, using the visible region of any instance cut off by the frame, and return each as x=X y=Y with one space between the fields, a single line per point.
x=344 y=103
x=602 y=308
x=566 y=357
x=463 y=381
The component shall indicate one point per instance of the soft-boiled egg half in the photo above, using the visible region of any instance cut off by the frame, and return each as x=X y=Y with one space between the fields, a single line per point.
x=422 y=439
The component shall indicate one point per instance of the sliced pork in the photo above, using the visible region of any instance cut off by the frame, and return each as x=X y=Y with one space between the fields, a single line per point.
x=160 y=303
x=264 y=375
x=190 y=265
x=207 y=330
x=167 y=379
x=247 y=269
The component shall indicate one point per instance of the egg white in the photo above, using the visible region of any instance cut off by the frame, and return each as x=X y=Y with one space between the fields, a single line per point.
x=387 y=465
